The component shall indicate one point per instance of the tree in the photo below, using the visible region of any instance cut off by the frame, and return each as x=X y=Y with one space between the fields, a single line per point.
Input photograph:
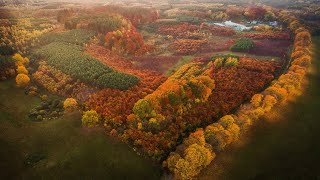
x=230 y=62
x=255 y=13
x=143 y=109
x=20 y=60
x=22 y=70
x=303 y=37
x=70 y=104
x=234 y=12
x=199 y=156
x=226 y=121
x=269 y=102
x=90 y=118
x=184 y=170
x=22 y=80
x=256 y=100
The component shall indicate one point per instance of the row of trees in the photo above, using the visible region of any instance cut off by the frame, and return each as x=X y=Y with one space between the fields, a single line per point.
x=19 y=38
x=72 y=61
x=57 y=82
x=22 y=79
x=215 y=137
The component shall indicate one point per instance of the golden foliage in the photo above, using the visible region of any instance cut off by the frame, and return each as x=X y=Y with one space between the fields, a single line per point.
x=90 y=118
x=22 y=70
x=20 y=60
x=22 y=80
x=70 y=104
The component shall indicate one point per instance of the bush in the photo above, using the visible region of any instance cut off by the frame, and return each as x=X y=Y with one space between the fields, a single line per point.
x=22 y=80
x=70 y=104
x=90 y=119
x=242 y=45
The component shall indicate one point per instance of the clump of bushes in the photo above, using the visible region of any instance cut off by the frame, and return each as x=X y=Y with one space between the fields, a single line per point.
x=242 y=45
x=48 y=109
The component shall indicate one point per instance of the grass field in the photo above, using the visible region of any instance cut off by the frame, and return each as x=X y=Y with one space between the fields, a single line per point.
x=284 y=147
x=60 y=148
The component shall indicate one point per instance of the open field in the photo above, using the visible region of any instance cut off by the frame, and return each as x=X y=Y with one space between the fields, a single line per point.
x=60 y=148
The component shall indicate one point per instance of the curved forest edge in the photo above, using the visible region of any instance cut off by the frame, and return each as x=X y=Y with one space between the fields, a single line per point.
x=202 y=146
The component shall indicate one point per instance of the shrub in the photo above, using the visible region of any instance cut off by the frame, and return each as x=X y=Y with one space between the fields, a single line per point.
x=70 y=104
x=226 y=121
x=22 y=80
x=195 y=156
x=104 y=24
x=242 y=45
x=90 y=118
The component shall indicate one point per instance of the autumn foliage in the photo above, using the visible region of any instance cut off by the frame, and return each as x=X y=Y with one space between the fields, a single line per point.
x=90 y=118
x=22 y=80
x=70 y=104
x=228 y=128
x=176 y=30
x=188 y=46
x=126 y=41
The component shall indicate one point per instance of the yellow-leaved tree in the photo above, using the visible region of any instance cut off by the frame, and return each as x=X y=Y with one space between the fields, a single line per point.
x=22 y=70
x=70 y=104
x=90 y=118
x=22 y=80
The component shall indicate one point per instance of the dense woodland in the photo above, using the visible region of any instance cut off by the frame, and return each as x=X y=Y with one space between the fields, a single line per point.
x=167 y=81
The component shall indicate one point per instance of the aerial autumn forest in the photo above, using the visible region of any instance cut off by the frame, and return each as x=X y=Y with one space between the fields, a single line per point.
x=143 y=89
